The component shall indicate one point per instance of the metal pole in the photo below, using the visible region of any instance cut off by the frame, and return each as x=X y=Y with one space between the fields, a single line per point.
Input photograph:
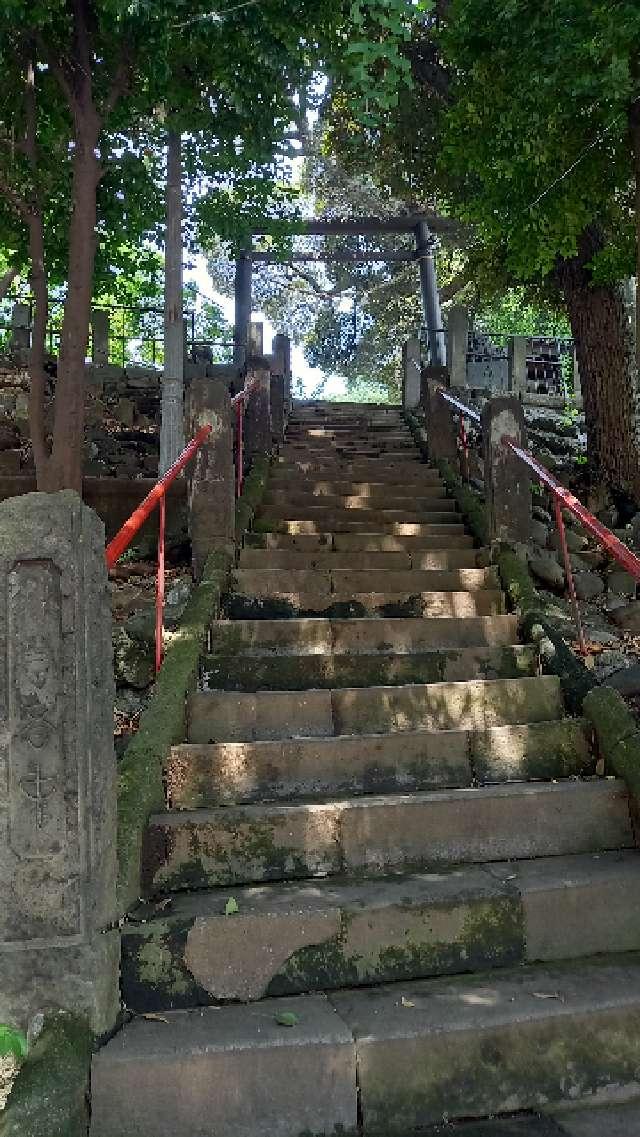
x=425 y=247
x=172 y=420
x=243 y=308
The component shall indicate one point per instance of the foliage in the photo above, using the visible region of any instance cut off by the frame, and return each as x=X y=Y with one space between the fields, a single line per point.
x=12 y=1043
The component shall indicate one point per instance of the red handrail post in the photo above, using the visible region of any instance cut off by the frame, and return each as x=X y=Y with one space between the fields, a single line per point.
x=569 y=572
x=160 y=583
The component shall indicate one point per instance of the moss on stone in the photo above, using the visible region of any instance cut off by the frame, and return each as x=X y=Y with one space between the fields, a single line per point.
x=617 y=734
x=49 y=1096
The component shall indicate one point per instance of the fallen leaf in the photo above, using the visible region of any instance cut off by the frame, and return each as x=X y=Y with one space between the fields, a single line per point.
x=589 y=662
x=406 y=1002
x=231 y=907
x=547 y=995
x=286 y=1018
x=155 y=1018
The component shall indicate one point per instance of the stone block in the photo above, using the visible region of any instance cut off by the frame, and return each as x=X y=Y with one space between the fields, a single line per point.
x=57 y=822
x=492 y=1044
x=10 y=463
x=507 y=480
x=229 y=716
x=601 y=1121
x=234 y=1071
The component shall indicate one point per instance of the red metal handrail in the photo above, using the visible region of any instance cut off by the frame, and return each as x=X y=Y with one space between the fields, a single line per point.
x=562 y=498
x=158 y=497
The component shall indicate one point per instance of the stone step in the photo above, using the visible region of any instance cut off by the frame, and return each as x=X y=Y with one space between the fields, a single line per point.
x=380 y=835
x=358 y=637
x=343 y=583
x=431 y=525
x=238 y=716
x=227 y=773
x=442 y=538
x=387 y=605
x=473 y=1046
x=445 y=559
x=378 y=472
x=352 y=542
x=405 y=501
x=321 y=436
x=358 y=520
x=375 y=470
x=232 y=672
x=396 y=451
x=230 y=1071
x=289 y=939
x=373 y=491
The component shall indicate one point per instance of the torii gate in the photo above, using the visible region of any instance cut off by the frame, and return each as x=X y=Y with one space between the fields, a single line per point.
x=424 y=225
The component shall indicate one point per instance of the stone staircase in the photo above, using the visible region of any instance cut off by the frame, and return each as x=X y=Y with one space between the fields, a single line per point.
x=388 y=887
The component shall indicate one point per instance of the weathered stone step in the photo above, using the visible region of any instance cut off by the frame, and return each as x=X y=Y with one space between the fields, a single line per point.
x=473 y=1046
x=396 y=451
x=278 y=483
x=358 y=520
x=442 y=537
x=445 y=559
x=400 y=501
x=232 y=716
x=231 y=672
x=431 y=525
x=229 y=773
x=453 y=537
x=320 y=636
x=341 y=473
x=378 y=835
x=375 y=470
x=230 y=1071
x=387 y=605
x=288 y=939
x=343 y=583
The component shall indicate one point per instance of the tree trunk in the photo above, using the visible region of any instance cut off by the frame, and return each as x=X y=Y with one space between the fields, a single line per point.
x=37 y=372
x=64 y=470
x=608 y=370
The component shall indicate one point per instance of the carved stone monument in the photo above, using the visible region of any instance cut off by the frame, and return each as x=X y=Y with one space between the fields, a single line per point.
x=507 y=479
x=211 y=480
x=58 y=946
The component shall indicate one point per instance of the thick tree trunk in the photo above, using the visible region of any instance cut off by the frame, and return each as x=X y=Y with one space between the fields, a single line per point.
x=37 y=372
x=608 y=370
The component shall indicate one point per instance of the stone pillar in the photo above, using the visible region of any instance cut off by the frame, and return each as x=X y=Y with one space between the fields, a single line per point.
x=20 y=328
x=257 y=419
x=278 y=410
x=411 y=373
x=507 y=481
x=256 y=338
x=281 y=348
x=211 y=495
x=99 y=337
x=517 y=366
x=457 y=345
x=242 y=317
x=441 y=425
x=59 y=941
x=172 y=423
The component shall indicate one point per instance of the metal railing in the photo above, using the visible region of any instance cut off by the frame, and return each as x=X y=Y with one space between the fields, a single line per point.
x=157 y=498
x=562 y=499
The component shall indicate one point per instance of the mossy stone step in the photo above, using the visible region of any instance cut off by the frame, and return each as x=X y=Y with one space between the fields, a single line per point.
x=379 y=835
x=493 y=1043
x=337 y=523
x=238 y=716
x=425 y=560
x=371 y=519
x=297 y=499
x=226 y=773
x=233 y=672
x=452 y=537
x=377 y=471
x=290 y=939
x=409 y=604
x=344 y=583
x=313 y=636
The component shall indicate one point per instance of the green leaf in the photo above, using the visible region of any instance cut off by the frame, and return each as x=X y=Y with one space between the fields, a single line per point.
x=286 y=1018
x=231 y=907
x=12 y=1042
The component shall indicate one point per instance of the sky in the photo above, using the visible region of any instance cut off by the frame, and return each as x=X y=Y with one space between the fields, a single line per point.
x=310 y=376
